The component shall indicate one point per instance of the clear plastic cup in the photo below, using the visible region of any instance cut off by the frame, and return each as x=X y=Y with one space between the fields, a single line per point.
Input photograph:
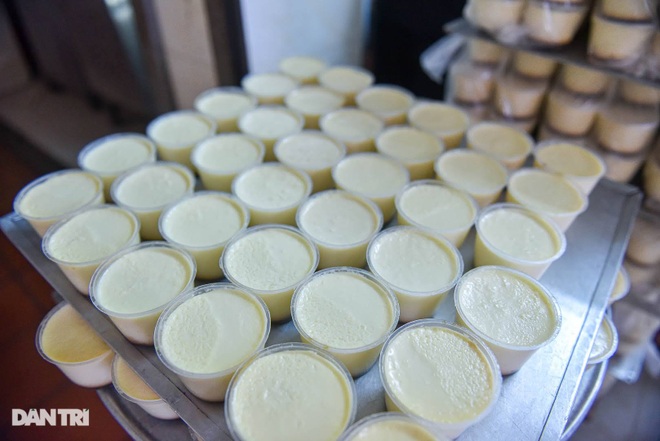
x=494 y=15
x=549 y=193
x=517 y=238
x=207 y=333
x=269 y=124
x=508 y=145
x=78 y=351
x=448 y=122
x=272 y=192
x=269 y=87
x=510 y=311
x=192 y=223
x=110 y=156
x=347 y=312
x=419 y=266
x=389 y=102
x=321 y=397
x=56 y=196
x=131 y=387
x=313 y=102
x=271 y=261
x=148 y=189
x=225 y=104
x=415 y=363
x=80 y=243
x=313 y=152
x=357 y=129
x=605 y=343
x=390 y=424
x=176 y=133
x=430 y=204
x=341 y=224
x=304 y=69
x=415 y=148
x=346 y=80
x=621 y=286
x=135 y=285
x=219 y=159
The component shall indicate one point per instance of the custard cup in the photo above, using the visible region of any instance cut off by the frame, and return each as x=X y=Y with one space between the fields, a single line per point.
x=604 y=350
x=374 y=425
x=225 y=104
x=389 y=102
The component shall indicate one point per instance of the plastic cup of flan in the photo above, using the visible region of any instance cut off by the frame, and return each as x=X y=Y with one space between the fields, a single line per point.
x=507 y=144
x=148 y=189
x=356 y=128
x=419 y=266
x=516 y=237
x=480 y=175
x=621 y=286
x=583 y=80
x=272 y=192
x=269 y=124
x=374 y=176
x=494 y=15
x=303 y=68
x=313 y=102
x=310 y=395
x=269 y=87
x=131 y=387
x=176 y=133
x=443 y=209
x=626 y=129
x=616 y=42
x=517 y=97
x=221 y=158
x=448 y=122
x=441 y=373
x=313 y=152
x=80 y=243
x=135 y=285
x=552 y=24
x=580 y=165
x=388 y=102
x=484 y=51
x=415 y=148
x=225 y=105
x=202 y=224
x=271 y=261
x=549 y=193
x=341 y=224
x=347 y=312
x=56 y=196
x=67 y=340
x=531 y=65
x=572 y=115
x=347 y=81
x=510 y=311
x=390 y=426
x=207 y=333
x=605 y=343
x=110 y=156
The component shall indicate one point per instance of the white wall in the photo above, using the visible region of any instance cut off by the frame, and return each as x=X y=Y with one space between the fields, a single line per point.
x=333 y=30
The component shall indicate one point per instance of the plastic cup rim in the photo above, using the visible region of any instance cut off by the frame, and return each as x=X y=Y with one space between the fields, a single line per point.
x=194 y=154
x=341 y=147
x=353 y=156
x=211 y=122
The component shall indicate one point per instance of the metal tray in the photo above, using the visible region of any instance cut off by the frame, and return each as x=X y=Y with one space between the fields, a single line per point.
x=535 y=403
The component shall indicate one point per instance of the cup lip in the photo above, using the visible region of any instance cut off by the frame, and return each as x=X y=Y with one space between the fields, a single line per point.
x=189 y=294
x=307 y=87
x=256 y=229
x=194 y=154
x=301 y=174
x=53 y=229
x=357 y=155
x=607 y=321
x=584 y=201
x=220 y=90
x=389 y=295
x=470 y=133
x=341 y=147
x=626 y=284
x=249 y=76
x=40 y=180
x=421 y=104
x=374 y=418
x=554 y=306
x=368 y=74
x=110 y=261
x=203 y=193
x=296 y=75
x=286 y=347
x=323 y=122
x=464 y=332
x=458 y=258
x=300 y=119
x=405 y=93
x=181 y=169
x=552 y=227
x=399 y=128
x=42 y=327
x=462 y=151
x=378 y=213
x=213 y=126
x=113 y=372
x=548 y=143
x=435 y=183
x=90 y=147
